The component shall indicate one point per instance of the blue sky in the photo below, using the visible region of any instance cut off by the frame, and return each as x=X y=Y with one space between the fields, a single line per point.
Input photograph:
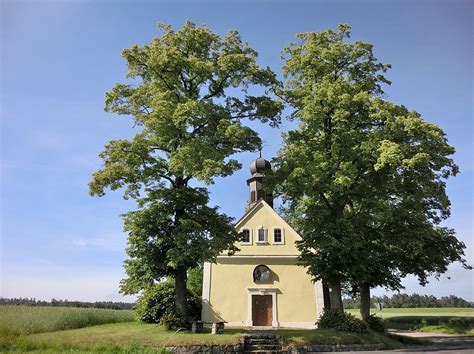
x=58 y=58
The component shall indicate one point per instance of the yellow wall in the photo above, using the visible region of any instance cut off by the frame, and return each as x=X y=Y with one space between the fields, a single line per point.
x=264 y=215
x=229 y=279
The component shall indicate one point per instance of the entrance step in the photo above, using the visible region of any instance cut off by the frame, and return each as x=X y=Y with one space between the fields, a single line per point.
x=262 y=343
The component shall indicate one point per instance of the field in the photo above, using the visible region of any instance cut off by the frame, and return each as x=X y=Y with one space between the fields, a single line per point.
x=440 y=311
x=22 y=320
x=437 y=320
x=51 y=329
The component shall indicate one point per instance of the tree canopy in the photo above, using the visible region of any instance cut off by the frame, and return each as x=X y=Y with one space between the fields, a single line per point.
x=363 y=179
x=189 y=98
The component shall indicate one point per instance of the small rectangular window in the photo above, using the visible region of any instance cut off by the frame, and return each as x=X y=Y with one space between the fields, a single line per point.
x=278 y=236
x=245 y=236
x=261 y=235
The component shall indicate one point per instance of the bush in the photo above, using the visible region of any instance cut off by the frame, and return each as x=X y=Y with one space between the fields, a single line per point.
x=171 y=320
x=345 y=322
x=376 y=324
x=157 y=305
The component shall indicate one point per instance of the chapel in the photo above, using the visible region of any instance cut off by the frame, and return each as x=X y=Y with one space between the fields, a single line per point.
x=262 y=285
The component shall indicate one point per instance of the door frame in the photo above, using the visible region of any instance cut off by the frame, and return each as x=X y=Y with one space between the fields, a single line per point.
x=262 y=291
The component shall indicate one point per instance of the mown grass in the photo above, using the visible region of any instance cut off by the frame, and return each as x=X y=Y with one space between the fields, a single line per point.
x=329 y=336
x=437 y=320
x=422 y=311
x=437 y=324
x=49 y=330
x=118 y=337
x=22 y=320
x=151 y=338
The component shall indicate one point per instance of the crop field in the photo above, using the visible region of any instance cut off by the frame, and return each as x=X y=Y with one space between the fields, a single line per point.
x=21 y=320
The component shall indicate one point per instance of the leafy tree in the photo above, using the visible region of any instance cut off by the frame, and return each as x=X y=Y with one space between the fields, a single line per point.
x=195 y=277
x=189 y=99
x=363 y=179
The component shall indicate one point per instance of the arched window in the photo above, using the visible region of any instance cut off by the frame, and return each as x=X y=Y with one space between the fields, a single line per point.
x=262 y=274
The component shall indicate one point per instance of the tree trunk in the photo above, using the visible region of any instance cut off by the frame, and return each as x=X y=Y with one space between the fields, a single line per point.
x=336 y=296
x=180 y=291
x=364 y=301
x=327 y=300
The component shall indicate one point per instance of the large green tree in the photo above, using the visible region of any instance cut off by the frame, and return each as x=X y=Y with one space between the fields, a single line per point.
x=363 y=179
x=188 y=97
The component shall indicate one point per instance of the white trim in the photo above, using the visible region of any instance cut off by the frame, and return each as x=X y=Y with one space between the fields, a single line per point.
x=290 y=256
x=302 y=325
x=262 y=291
x=250 y=243
x=282 y=242
x=265 y=235
x=265 y=205
x=318 y=289
x=206 y=291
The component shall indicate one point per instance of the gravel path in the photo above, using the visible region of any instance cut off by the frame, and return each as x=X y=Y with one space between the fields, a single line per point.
x=442 y=344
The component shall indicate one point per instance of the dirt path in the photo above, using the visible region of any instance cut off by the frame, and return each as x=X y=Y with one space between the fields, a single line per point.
x=441 y=343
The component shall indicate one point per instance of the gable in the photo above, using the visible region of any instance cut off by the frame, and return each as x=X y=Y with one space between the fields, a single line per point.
x=262 y=216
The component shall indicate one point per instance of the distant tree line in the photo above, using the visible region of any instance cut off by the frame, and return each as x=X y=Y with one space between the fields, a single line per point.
x=67 y=303
x=414 y=300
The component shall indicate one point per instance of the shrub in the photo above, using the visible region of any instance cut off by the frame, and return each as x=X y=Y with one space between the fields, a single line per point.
x=158 y=301
x=171 y=320
x=345 y=322
x=376 y=324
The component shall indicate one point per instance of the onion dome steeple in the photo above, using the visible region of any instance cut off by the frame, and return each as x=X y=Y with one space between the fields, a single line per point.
x=258 y=168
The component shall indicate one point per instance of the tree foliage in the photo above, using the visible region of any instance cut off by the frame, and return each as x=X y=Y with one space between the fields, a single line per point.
x=410 y=301
x=363 y=178
x=189 y=98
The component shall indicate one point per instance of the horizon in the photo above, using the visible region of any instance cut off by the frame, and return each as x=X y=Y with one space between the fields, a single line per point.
x=59 y=58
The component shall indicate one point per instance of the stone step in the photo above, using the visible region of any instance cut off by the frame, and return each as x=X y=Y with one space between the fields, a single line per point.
x=264 y=347
x=266 y=351
x=260 y=336
x=261 y=340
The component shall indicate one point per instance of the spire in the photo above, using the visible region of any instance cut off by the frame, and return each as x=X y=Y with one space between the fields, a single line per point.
x=258 y=168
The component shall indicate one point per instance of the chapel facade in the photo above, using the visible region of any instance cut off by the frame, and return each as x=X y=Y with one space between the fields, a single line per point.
x=262 y=285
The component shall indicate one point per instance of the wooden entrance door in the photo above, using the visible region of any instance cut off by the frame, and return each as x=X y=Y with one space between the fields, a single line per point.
x=262 y=308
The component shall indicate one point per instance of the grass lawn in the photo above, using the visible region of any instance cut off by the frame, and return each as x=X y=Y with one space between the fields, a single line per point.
x=48 y=330
x=151 y=338
x=437 y=320
x=442 y=311
x=115 y=338
x=328 y=336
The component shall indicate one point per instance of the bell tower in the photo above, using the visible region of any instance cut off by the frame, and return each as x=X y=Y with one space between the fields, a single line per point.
x=258 y=168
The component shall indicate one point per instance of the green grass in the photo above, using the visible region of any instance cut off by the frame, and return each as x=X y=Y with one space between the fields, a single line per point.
x=330 y=336
x=442 y=311
x=149 y=338
x=118 y=337
x=49 y=330
x=21 y=320
x=437 y=320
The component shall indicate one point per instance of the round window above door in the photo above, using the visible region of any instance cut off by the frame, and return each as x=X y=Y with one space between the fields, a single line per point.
x=262 y=274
